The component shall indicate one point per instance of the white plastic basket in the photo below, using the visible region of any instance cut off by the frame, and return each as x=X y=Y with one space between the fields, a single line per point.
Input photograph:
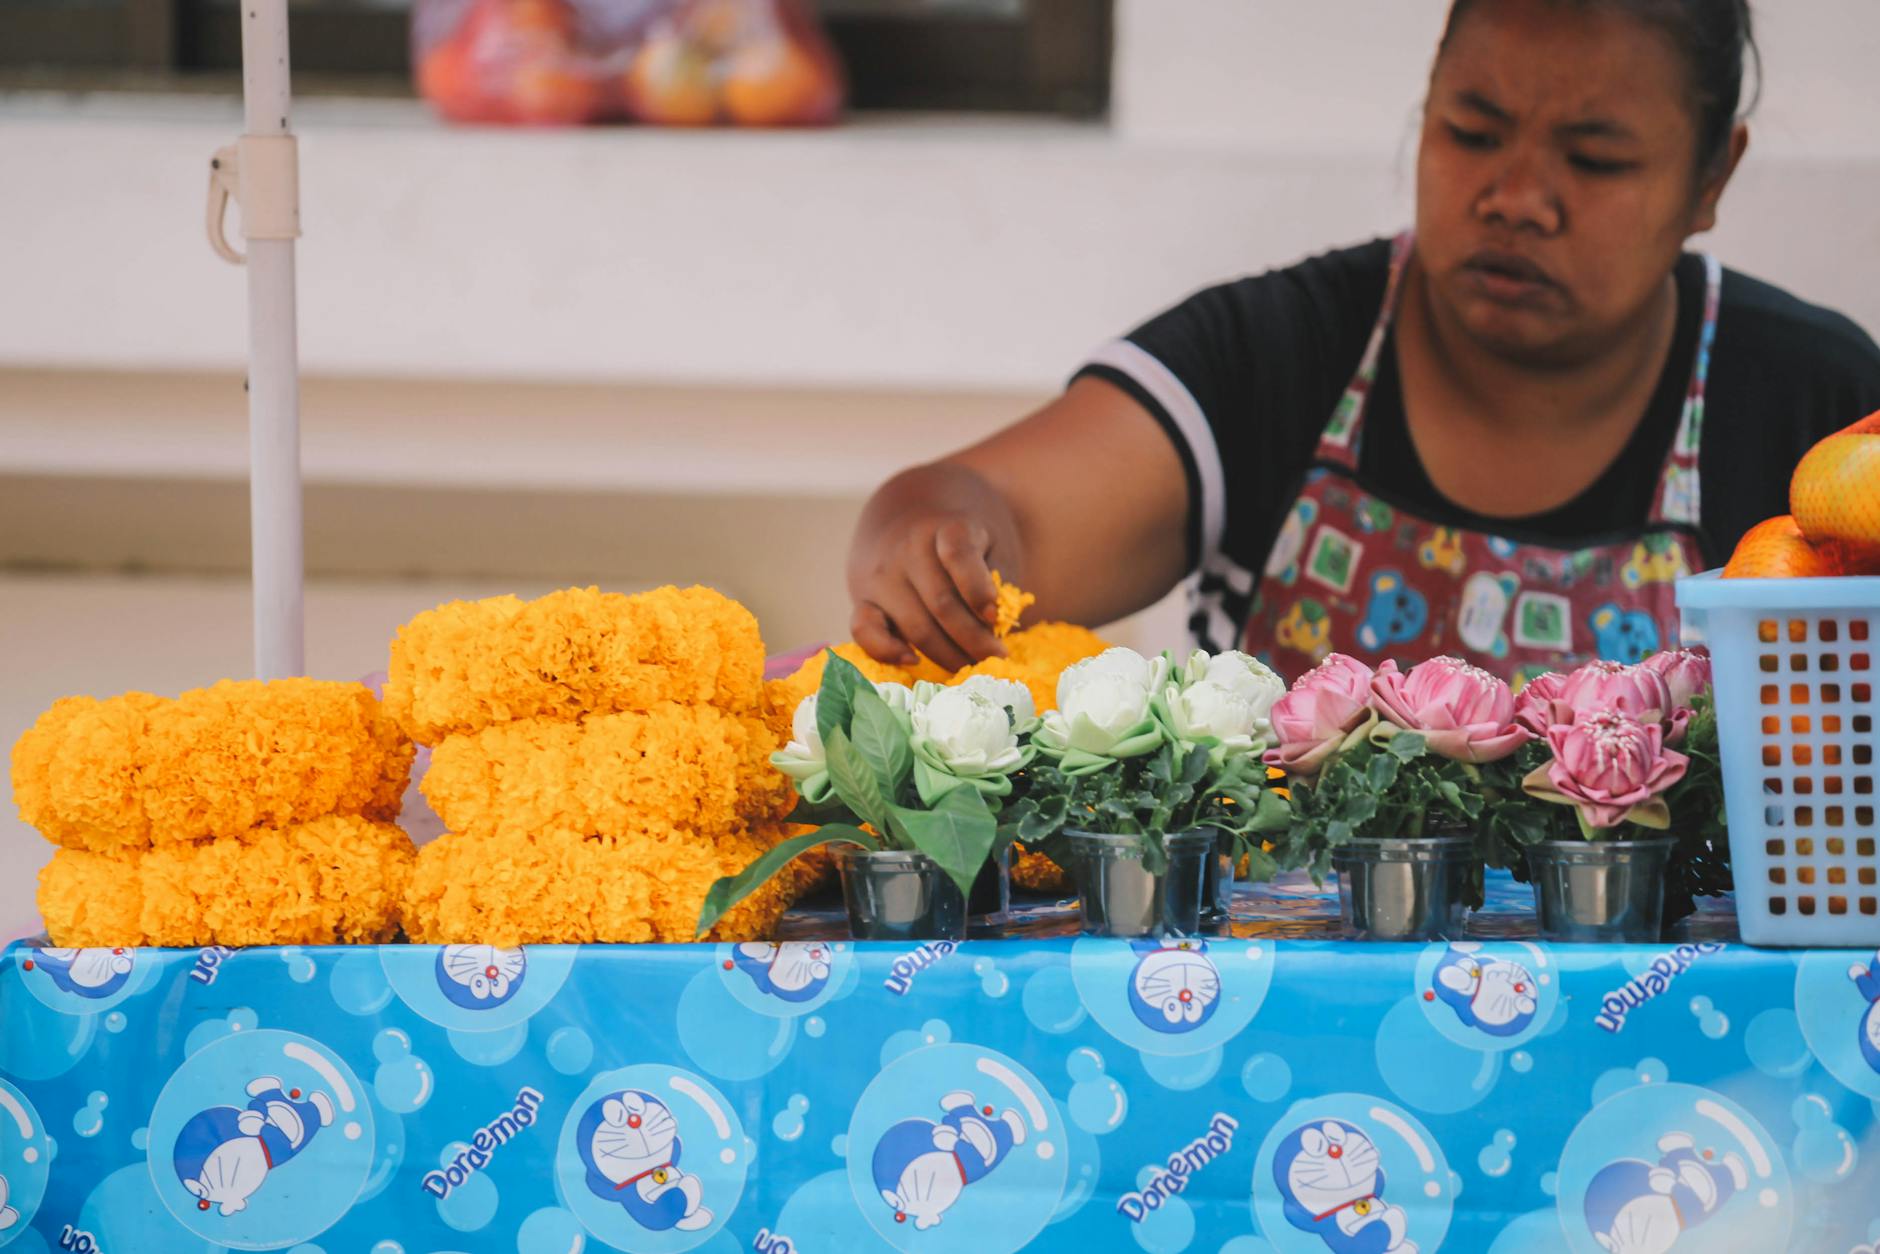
x=1796 y=663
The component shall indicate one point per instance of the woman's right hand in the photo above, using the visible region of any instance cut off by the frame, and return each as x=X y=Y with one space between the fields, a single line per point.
x=921 y=575
x=1084 y=504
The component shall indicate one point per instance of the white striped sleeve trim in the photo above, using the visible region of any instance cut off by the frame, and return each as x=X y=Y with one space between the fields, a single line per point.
x=1184 y=413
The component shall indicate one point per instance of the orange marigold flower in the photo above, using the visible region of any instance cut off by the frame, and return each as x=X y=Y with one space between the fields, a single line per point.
x=674 y=768
x=137 y=770
x=782 y=696
x=1051 y=647
x=468 y=665
x=1038 y=873
x=1012 y=604
x=338 y=879
x=560 y=887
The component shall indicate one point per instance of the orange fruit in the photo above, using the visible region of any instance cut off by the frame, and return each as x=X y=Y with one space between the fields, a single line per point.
x=669 y=84
x=1835 y=493
x=546 y=94
x=777 y=83
x=1776 y=549
x=1855 y=559
x=448 y=80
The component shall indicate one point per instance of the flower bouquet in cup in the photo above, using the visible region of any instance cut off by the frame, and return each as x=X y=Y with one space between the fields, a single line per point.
x=1391 y=773
x=907 y=783
x=1147 y=777
x=1621 y=786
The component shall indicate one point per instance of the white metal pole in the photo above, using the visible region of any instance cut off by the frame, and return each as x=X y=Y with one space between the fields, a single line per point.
x=270 y=221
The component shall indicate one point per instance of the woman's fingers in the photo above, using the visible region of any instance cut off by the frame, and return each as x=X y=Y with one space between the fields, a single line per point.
x=970 y=635
x=917 y=624
x=964 y=548
x=875 y=632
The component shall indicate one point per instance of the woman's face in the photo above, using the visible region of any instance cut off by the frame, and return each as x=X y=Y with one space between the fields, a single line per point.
x=1556 y=178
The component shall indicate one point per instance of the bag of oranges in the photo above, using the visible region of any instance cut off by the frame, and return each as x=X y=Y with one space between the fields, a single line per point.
x=667 y=62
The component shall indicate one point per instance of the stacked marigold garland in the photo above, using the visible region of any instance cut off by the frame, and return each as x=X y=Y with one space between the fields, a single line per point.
x=241 y=814
x=598 y=759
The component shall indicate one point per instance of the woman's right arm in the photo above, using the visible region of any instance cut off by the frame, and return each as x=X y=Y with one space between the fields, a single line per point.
x=1083 y=504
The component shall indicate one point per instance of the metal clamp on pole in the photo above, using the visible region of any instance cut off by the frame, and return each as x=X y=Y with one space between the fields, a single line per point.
x=261 y=173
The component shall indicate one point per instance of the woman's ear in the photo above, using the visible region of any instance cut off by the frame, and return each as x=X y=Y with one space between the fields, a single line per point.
x=1712 y=190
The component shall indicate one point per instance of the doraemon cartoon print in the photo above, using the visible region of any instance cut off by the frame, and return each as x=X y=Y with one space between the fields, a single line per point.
x=629 y=1142
x=1175 y=985
x=793 y=971
x=480 y=977
x=1867 y=979
x=93 y=974
x=1331 y=1179
x=224 y=1155
x=923 y=1167
x=1493 y=995
x=1636 y=1207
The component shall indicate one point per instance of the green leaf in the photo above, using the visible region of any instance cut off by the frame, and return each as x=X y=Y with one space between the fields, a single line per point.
x=1260 y=866
x=1044 y=819
x=1195 y=766
x=855 y=780
x=881 y=741
x=730 y=890
x=958 y=833
x=1271 y=813
x=835 y=699
x=1406 y=746
x=1154 y=853
x=816 y=814
x=1382 y=773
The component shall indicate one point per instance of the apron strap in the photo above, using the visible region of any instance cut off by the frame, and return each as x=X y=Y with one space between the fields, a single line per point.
x=1338 y=442
x=1679 y=500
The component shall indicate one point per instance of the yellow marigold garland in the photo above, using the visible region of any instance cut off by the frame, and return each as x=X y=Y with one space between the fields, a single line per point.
x=469 y=664
x=337 y=879
x=560 y=887
x=674 y=768
x=1051 y=647
x=137 y=770
x=1011 y=606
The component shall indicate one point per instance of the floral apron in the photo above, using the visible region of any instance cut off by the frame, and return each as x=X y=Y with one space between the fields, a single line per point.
x=1353 y=573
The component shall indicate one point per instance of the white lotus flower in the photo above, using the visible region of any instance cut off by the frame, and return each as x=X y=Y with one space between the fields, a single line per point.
x=900 y=697
x=1008 y=693
x=803 y=758
x=969 y=732
x=1103 y=711
x=1126 y=664
x=1251 y=678
x=1211 y=710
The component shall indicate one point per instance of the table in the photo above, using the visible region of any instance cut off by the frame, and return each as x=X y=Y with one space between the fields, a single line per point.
x=1275 y=1089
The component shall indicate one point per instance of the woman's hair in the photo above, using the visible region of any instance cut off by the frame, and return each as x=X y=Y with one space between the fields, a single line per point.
x=1715 y=37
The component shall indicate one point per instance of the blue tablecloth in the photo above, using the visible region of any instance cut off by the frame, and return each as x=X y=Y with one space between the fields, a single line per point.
x=1270 y=1090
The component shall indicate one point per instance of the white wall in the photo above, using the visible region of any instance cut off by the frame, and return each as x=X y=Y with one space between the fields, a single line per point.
x=1279 y=75
x=927 y=256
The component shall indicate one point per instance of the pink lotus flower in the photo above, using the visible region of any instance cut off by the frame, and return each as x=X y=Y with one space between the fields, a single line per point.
x=1635 y=690
x=1327 y=711
x=1612 y=768
x=1534 y=704
x=1464 y=712
x=1686 y=673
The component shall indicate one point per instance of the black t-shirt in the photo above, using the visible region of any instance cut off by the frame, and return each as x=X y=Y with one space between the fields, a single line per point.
x=1243 y=377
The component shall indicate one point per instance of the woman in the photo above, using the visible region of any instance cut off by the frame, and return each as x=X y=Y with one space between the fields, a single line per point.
x=1501 y=436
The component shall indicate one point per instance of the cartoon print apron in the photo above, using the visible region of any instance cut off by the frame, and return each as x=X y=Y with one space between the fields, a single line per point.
x=1354 y=574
